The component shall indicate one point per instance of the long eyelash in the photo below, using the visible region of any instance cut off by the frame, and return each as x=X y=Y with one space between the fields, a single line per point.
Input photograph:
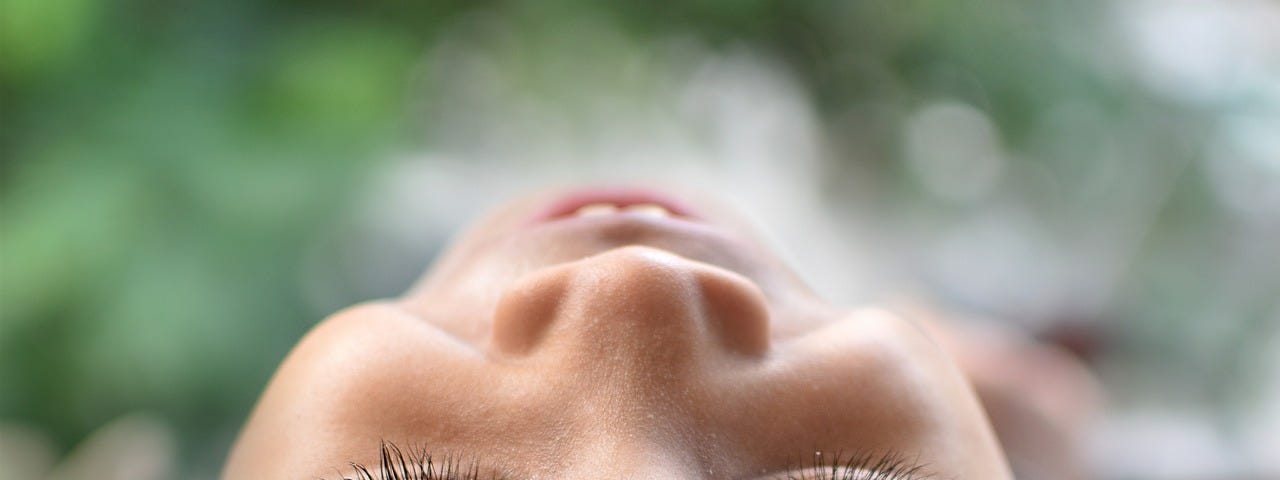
x=889 y=465
x=396 y=464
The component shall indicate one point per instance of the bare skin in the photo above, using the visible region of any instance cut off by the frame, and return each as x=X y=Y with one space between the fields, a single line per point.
x=650 y=342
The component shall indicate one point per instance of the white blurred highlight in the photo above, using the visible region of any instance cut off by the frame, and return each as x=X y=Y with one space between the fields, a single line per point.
x=954 y=150
x=733 y=122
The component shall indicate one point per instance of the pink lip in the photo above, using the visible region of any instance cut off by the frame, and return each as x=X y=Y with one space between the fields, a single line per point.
x=568 y=204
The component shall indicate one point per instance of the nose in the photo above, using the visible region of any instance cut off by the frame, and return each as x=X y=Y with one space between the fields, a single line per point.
x=633 y=306
x=614 y=460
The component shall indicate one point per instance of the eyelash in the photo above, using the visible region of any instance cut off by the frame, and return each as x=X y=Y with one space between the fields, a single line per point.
x=395 y=464
x=890 y=465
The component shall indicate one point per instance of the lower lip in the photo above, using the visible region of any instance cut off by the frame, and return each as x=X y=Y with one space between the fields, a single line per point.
x=622 y=197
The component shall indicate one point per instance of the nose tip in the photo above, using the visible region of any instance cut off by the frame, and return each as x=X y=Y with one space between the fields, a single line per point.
x=635 y=299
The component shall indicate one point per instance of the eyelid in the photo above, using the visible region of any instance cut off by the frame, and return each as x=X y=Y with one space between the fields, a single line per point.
x=394 y=463
x=419 y=464
x=862 y=465
x=812 y=473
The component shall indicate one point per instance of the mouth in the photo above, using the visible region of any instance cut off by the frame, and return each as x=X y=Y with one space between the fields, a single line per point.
x=607 y=202
x=580 y=223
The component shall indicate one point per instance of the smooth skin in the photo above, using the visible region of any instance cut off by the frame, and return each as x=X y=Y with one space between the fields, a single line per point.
x=620 y=346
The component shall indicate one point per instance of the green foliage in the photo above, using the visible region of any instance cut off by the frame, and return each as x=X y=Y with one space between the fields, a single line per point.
x=38 y=37
x=167 y=165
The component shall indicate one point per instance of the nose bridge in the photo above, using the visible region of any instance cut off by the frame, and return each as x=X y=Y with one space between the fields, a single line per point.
x=626 y=340
x=623 y=460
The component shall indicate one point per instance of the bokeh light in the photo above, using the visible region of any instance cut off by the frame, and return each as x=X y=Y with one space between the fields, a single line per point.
x=187 y=187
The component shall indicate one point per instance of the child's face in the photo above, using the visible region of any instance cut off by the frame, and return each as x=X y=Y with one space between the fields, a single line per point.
x=607 y=345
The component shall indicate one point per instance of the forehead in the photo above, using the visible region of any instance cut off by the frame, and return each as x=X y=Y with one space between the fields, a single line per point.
x=869 y=381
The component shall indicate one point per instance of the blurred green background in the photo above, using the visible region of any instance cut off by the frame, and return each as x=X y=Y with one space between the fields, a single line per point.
x=186 y=187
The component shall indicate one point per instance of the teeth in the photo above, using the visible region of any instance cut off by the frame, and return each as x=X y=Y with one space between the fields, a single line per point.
x=644 y=209
x=649 y=210
x=597 y=209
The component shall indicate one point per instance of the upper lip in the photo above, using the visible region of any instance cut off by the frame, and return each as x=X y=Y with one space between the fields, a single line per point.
x=565 y=205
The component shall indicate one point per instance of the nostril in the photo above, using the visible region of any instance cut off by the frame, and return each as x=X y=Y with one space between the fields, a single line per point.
x=525 y=310
x=624 y=299
x=632 y=304
x=737 y=311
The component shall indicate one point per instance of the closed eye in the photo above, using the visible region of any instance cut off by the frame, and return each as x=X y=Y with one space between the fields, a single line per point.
x=396 y=464
x=865 y=465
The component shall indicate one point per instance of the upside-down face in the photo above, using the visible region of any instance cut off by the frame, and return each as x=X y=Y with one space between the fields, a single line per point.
x=617 y=334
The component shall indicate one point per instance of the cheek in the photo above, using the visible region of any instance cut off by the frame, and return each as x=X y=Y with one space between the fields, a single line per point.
x=861 y=401
x=862 y=386
x=365 y=375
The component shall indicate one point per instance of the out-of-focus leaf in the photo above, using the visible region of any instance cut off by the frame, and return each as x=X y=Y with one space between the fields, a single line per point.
x=37 y=36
